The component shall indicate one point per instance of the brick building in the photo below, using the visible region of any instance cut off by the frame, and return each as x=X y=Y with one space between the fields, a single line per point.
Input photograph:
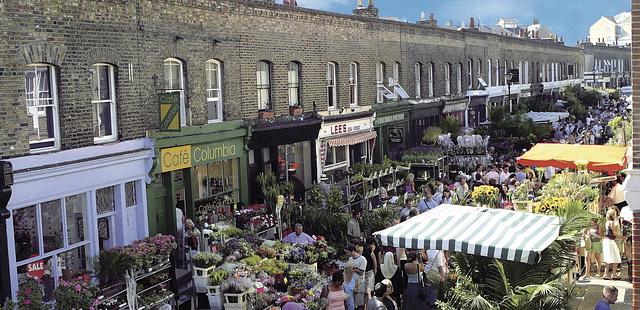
x=633 y=183
x=79 y=81
x=606 y=66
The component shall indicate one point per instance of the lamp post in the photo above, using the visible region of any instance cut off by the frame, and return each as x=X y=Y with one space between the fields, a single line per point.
x=509 y=76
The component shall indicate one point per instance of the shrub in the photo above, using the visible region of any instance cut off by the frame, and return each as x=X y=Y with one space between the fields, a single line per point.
x=451 y=125
x=430 y=135
x=206 y=260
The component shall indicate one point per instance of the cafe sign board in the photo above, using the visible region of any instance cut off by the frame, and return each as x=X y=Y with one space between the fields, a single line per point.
x=186 y=156
x=169 y=104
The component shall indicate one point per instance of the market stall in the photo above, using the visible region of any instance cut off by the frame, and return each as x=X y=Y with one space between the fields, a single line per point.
x=598 y=157
x=503 y=234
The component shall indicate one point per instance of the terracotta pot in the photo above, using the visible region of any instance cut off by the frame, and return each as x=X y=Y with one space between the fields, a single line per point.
x=295 y=110
x=266 y=114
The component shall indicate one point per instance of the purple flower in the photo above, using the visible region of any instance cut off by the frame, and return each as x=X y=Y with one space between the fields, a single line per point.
x=78 y=288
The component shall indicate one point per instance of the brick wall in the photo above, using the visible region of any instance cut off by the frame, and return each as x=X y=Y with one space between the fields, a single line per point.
x=74 y=34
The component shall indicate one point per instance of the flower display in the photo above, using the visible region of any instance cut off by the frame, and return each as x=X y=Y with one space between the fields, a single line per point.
x=30 y=296
x=206 y=260
x=485 y=195
x=78 y=293
x=550 y=205
x=239 y=248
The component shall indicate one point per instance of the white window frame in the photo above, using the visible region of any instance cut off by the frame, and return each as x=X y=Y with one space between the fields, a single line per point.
x=263 y=84
x=380 y=66
x=447 y=79
x=525 y=75
x=217 y=100
x=34 y=111
x=396 y=73
x=112 y=104
x=504 y=73
x=459 y=78
x=430 y=79
x=496 y=63
x=489 y=73
x=353 y=84
x=418 y=79
x=336 y=165
x=470 y=73
x=183 y=110
x=332 y=91
x=293 y=83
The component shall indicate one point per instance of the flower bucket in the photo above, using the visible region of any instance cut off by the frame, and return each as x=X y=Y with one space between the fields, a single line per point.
x=201 y=278
x=216 y=298
x=236 y=301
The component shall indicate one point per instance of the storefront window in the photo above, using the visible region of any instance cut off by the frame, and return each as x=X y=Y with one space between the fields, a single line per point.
x=42 y=270
x=76 y=209
x=25 y=231
x=294 y=164
x=336 y=156
x=219 y=178
x=51 y=225
x=105 y=202
x=73 y=262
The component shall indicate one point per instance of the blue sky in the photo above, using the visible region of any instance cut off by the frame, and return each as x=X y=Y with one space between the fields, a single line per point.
x=568 y=18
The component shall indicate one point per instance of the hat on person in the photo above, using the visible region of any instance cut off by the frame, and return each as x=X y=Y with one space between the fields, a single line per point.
x=388 y=267
x=323 y=177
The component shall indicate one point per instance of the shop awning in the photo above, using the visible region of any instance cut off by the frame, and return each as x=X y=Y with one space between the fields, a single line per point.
x=508 y=235
x=598 y=157
x=546 y=117
x=450 y=108
x=352 y=139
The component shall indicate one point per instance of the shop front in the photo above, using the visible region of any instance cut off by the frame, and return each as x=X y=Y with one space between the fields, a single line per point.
x=286 y=148
x=423 y=116
x=201 y=170
x=477 y=112
x=68 y=206
x=392 y=127
x=344 y=140
x=456 y=108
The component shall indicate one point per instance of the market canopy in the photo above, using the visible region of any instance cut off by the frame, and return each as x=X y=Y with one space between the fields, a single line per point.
x=602 y=158
x=508 y=235
x=546 y=117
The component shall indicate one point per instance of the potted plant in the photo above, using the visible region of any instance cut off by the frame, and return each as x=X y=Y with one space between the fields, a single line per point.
x=235 y=290
x=30 y=296
x=76 y=294
x=214 y=293
x=266 y=114
x=203 y=266
x=295 y=110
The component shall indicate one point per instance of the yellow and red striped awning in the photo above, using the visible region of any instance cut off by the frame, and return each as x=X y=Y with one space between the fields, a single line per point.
x=352 y=139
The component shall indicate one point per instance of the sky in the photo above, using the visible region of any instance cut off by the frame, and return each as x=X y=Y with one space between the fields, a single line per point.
x=568 y=18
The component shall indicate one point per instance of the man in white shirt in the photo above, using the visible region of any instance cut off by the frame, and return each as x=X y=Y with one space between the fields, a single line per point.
x=359 y=263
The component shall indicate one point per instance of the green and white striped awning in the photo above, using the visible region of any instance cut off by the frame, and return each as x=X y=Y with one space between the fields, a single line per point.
x=509 y=235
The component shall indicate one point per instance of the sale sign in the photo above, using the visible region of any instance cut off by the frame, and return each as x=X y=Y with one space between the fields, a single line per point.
x=36 y=269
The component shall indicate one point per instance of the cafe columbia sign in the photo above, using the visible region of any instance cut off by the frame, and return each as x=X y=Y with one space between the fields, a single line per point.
x=186 y=156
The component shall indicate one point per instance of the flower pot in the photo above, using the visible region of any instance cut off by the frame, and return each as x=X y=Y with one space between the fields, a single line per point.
x=201 y=278
x=266 y=114
x=216 y=298
x=295 y=110
x=236 y=301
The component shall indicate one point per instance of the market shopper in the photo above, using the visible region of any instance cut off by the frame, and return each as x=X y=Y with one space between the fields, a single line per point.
x=298 y=236
x=353 y=227
x=610 y=251
x=409 y=184
x=359 y=263
x=617 y=192
x=336 y=295
x=388 y=300
x=391 y=272
x=610 y=295
x=375 y=303
x=413 y=297
x=427 y=202
x=369 y=254
x=349 y=286
x=593 y=247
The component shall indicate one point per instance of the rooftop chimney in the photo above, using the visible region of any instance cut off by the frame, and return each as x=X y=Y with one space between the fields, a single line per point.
x=430 y=22
x=536 y=21
x=422 y=16
x=290 y=2
x=370 y=11
x=472 y=23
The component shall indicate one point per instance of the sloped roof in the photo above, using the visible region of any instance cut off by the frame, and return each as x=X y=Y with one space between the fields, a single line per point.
x=623 y=18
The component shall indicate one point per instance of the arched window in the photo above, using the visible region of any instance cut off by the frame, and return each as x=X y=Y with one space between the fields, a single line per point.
x=489 y=73
x=213 y=71
x=459 y=78
x=430 y=79
x=263 y=84
x=353 y=84
x=293 y=83
x=396 y=73
x=418 y=79
x=380 y=81
x=174 y=83
x=496 y=65
x=520 y=73
x=447 y=79
x=42 y=107
x=332 y=93
x=103 y=103
x=525 y=75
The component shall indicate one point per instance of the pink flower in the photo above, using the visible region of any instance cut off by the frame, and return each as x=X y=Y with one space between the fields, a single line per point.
x=78 y=288
x=26 y=301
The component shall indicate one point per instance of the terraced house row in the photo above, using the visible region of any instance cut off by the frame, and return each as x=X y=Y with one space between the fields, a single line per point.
x=114 y=112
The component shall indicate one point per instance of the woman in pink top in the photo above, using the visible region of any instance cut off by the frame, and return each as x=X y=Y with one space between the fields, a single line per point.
x=337 y=297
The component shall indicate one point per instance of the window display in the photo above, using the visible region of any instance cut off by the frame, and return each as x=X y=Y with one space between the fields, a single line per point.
x=25 y=231
x=294 y=162
x=217 y=190
x=51 y=225
x=76 y=209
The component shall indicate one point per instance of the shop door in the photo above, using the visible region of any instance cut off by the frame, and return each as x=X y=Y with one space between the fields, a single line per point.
x=130 y=225
x=157 y=195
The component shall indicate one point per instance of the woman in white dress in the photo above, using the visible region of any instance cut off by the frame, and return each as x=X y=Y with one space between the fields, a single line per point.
x=610 y=251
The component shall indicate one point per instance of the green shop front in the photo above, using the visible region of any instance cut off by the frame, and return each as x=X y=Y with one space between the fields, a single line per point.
x=392 y=127
x=201 y=170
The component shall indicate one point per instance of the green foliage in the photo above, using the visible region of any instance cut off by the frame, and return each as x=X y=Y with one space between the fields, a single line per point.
x=622 y=129
x=430 y=135
x=272 y=267
x=329 y=221
x=75 y=294
x=497 y=114
x=30 y=297
x=578 y=111
x=377 y=219
x=252 y=260
x=206 y=260
x=271 y=189
x=217 y=277
x=451 y=125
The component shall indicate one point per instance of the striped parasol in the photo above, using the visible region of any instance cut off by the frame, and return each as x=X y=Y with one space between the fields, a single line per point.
x=508 y=235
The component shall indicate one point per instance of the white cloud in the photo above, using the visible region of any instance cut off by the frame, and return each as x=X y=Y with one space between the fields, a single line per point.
x=489 y=10
x=324 y=4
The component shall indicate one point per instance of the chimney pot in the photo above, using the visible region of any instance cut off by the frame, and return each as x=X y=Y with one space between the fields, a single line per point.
x=472 y=23
x=432 y=17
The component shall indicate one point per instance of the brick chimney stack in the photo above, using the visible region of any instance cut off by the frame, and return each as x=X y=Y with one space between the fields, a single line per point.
x=370 y=11
x=472 y=22
x=290 y=2
x=430 y=22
